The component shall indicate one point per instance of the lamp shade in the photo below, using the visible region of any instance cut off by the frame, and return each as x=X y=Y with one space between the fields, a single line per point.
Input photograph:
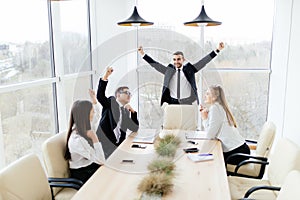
x=135 y=20
x=202 y=19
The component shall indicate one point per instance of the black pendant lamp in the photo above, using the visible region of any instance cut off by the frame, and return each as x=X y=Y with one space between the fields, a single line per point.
x=202 y=19
x=135 y=20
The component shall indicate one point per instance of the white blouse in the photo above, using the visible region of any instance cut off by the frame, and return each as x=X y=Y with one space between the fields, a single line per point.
x=217 y=127
x=82 y=154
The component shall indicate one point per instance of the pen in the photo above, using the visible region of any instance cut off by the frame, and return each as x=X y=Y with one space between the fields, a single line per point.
x=205 y=154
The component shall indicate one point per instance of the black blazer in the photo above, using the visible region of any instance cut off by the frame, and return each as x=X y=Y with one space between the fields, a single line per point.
x=189 y=71
x=111 y=116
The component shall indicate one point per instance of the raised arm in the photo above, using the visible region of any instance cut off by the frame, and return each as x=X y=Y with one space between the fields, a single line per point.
x=104 y=101
x=202 y=63
x=156 y=65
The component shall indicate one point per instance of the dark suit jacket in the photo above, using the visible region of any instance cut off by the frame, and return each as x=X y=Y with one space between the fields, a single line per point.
x=110 y=118
x=189 y=71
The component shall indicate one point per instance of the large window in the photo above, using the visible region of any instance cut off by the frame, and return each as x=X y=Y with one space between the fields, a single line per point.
x=242 y=68
x=26 y=108
x=40 y=73
x=45 y=61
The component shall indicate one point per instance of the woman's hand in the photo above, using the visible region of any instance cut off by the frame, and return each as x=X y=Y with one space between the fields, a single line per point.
x=93 y=96
x=204 y=112
x=92 y=135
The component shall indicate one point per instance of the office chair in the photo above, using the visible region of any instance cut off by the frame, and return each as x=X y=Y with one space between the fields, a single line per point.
x=255 y=166
x=288 y=190
x=179 y=117
x=26 y=179
x=285 y=158
x=56 y=166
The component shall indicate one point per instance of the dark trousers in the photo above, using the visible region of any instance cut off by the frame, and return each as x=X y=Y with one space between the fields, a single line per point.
x=236 y=160
x=84 y=173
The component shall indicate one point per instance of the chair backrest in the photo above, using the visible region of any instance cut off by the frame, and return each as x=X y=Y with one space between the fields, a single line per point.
x=24 y=179
x=53 y=152
x=265 y=140
x=290 y=187
x=184 y=117
x=285 y=158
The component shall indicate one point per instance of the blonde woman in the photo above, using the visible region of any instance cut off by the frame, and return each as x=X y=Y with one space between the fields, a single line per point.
x=219 y=123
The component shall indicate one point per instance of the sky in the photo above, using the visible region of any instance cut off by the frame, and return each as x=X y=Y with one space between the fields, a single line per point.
x=15 y=14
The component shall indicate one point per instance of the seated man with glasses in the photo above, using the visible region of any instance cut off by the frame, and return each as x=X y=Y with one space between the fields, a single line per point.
x=117 y=115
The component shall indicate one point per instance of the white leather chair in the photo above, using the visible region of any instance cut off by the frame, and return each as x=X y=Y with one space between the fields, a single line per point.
x=179 y=117
x=289 y=189
x=182 y=117
x=251 y=168
x=285 y=158
x=56 y=166
x=26 y=179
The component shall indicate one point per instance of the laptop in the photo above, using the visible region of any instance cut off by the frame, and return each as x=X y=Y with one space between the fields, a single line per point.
x=146 y=136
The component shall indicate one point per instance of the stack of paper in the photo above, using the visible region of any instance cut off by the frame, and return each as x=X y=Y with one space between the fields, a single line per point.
x=200 y=157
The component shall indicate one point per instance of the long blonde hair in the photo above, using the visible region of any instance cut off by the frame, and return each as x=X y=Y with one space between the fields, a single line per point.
x=220 y=98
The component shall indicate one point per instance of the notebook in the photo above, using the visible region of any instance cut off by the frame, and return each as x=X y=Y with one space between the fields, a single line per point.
x=194 y=135
x=146 y=136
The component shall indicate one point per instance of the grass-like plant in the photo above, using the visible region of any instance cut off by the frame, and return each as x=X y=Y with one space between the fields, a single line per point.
x=171 y=139
x=159 y=181
x=167 y=146
x=157 y=184
x=162 y=166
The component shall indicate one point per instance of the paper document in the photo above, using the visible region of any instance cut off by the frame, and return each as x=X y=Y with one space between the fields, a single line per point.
x=146 y=136
x=194 y=135
x=200 y=157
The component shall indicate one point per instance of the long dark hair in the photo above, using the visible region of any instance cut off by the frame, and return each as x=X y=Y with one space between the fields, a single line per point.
x=219 y=93
x=80 y=122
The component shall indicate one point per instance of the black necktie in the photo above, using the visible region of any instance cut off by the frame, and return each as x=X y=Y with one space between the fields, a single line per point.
x=122 y=128
x=178 y=84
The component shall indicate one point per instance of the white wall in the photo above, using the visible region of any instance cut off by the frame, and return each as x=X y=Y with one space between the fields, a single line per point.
x=284 y=96
x=114 y=45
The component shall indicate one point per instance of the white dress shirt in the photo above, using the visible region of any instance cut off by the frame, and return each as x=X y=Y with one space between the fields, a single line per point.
x=185 y=86
x=82 y=154
x=217 y=127
x=117 y=130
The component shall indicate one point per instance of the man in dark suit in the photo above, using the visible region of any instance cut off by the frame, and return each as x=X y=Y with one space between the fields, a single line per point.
x=179 y=78
x=117 y=115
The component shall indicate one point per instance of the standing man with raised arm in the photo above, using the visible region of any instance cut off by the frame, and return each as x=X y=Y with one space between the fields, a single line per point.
x=179 y=78
x=117 y=115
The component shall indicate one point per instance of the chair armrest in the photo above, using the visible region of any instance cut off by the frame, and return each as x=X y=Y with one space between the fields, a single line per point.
x=66 y=180
x=64 y=185
x=245 y=162
x=257 y=160
x=262 y=187
x=246 y=156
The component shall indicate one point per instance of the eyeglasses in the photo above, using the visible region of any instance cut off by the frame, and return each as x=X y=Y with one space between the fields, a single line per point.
x=174 y=59
x=126 y=92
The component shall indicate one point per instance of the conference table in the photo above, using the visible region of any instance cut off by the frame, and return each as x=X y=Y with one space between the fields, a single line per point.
x=193 y=180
